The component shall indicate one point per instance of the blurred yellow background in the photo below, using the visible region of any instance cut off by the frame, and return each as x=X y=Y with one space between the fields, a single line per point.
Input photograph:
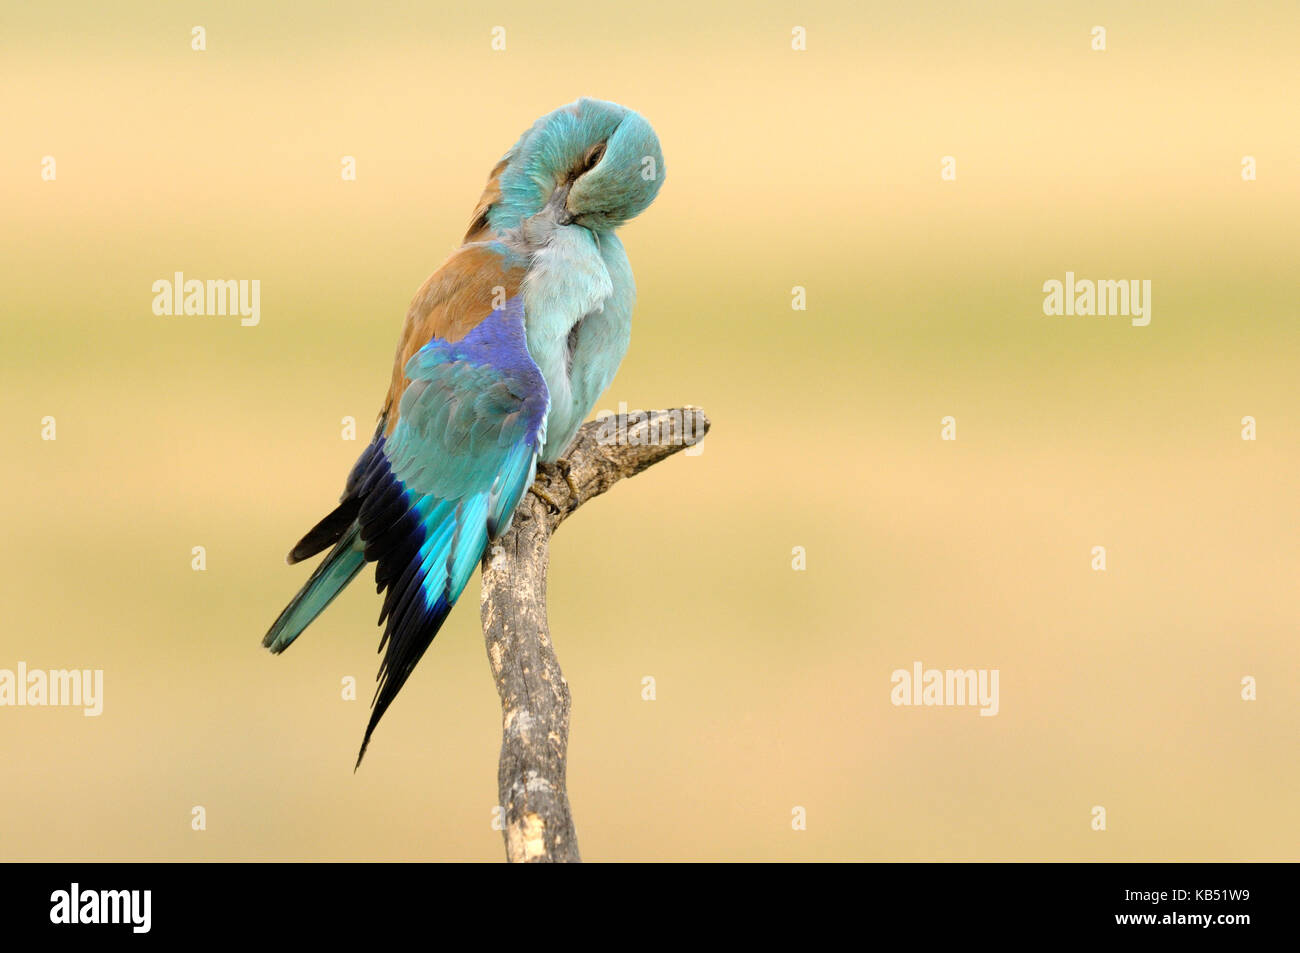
x=817 y=168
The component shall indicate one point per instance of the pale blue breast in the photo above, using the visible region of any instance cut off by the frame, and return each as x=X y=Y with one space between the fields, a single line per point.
x=578 y=298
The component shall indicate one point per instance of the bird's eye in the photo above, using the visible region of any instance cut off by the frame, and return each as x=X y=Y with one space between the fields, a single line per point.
x=593 y=156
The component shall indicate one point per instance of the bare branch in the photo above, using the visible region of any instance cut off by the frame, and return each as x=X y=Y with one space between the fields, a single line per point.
x=535 y=699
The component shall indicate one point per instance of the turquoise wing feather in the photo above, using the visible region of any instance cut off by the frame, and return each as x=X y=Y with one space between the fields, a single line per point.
x=424 y=501
x=446 y=480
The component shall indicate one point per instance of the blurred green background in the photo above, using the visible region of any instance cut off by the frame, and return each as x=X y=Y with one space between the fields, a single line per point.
x=817 y=168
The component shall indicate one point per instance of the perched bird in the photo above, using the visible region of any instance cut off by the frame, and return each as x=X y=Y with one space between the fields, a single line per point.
x=503 y=353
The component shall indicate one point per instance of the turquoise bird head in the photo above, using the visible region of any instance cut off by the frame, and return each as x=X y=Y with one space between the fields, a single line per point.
x=594 y=163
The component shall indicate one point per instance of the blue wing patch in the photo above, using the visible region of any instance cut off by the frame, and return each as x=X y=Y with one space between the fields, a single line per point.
x=447 y=480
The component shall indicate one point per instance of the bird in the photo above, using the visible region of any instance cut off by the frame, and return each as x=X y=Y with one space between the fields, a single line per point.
x=503 y=353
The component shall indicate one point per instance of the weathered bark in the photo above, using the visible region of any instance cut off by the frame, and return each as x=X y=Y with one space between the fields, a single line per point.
x=535 y=697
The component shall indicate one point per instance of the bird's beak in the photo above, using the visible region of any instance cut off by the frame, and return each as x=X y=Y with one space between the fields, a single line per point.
x=558 y=205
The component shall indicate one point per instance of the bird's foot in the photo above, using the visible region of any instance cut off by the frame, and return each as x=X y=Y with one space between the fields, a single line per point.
x=544 y=474
x=566 y=471
x=545 y=497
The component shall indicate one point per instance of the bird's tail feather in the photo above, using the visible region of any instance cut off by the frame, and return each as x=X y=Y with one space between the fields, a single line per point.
x=338 y=569
x=327 y=532
x=424 y=572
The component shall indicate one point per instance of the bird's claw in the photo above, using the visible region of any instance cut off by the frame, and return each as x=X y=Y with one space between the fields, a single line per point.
x=545 y=497
x=546 y=471
x=566 y=471
x=544 y=475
